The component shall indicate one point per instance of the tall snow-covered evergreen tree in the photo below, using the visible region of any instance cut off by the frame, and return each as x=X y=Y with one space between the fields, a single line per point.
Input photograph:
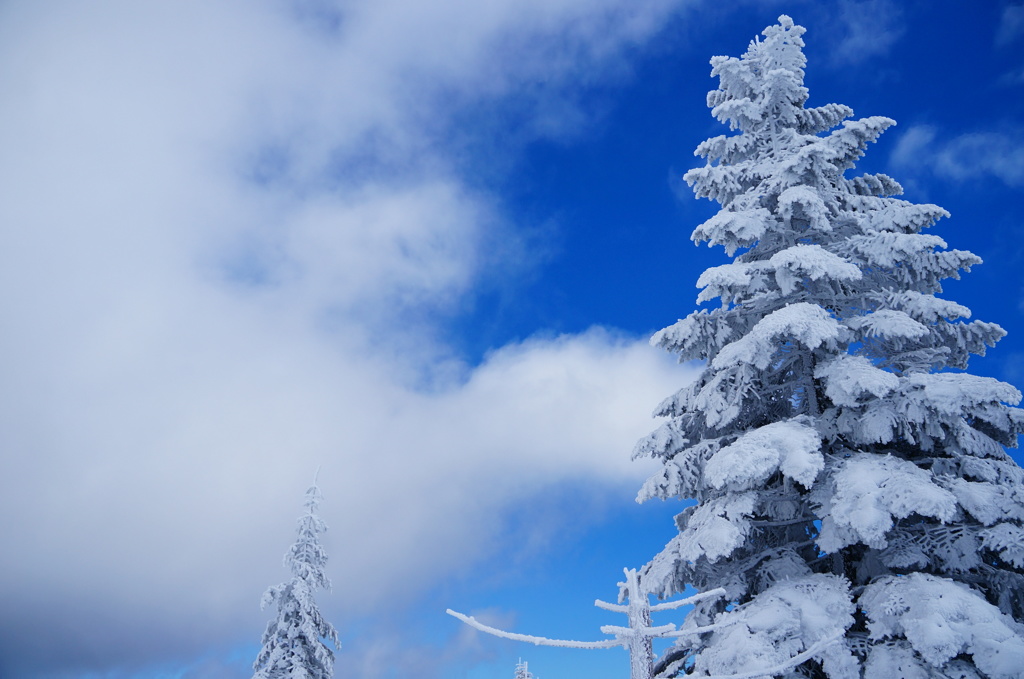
x=854 y=495
x=293 y=644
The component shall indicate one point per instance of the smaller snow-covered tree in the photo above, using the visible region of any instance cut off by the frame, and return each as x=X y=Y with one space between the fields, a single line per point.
x=293 y=644
x=522 y=670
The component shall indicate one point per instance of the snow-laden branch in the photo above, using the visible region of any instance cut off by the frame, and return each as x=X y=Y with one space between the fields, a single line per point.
x=626 y=632
x=710 y=594
x=782 y=667
x=530 y=639
x=699 y=630
x=668 y=605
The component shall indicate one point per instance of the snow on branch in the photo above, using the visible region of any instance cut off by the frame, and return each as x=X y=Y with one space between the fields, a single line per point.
x=530 y=639
x=668 y=605
x=782 y=667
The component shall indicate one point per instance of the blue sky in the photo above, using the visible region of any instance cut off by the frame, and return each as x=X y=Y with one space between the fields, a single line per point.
x=420 y=245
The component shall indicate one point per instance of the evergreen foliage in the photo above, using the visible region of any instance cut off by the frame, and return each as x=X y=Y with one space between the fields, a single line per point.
x=853 y=492
x=293 y=646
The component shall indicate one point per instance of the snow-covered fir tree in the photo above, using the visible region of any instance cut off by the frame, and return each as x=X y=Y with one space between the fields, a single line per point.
x=293 y=644
x=854 y=496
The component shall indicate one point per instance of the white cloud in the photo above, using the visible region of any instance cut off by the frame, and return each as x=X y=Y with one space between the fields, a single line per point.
x=228 y=230
x=866 y=29
x=1009 y=31
x=914 y=144
x=1011 y=25
x=973 y=156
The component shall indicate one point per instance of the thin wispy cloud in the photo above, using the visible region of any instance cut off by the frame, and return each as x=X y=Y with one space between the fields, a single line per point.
x=1011 y=25
x=972 y=156
x=1008 y=35
x=866 y=29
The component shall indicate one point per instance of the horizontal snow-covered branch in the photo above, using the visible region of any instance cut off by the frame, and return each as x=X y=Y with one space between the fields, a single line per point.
x=699 y=630
x=629 y=632
x=668 y=605
x=539 y=641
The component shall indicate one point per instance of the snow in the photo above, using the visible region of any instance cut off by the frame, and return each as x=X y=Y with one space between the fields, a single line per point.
x=773 y=629
x=848 y=379
x=529 y=638
x=888 y=323
x=718 y=281
x=803 y=202
x=928 y=308
x=957 y=394
x=988 y=502
x=791 y=446
x=808 y=324
x=819 y=649
x=694 y=337
x=1006 y=539
x=942 y=619
x=888 y=249
x=810 y=262
x=872 y=490
x=717 y=527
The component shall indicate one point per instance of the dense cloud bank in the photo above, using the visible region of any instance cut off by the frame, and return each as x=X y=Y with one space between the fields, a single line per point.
x=232 y=234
